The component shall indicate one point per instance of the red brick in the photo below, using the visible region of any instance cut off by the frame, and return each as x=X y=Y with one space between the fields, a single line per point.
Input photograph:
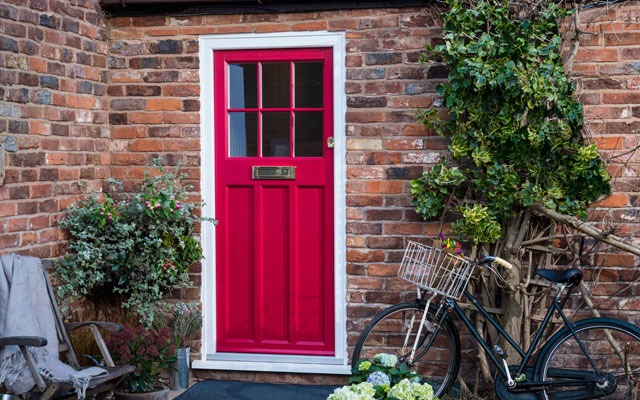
x=7 y=209
x=197 y=30
x=181 y=90
x=596 y=55
x=382 y=270
x=615 y=200
x=310 y=26
x=166 y=31
x=182 y=144
x=263 y=28
x=163 y=104
x=128 y=132
x=181 y=118
x=384 y=187
x=146 y=145
x=145 y=118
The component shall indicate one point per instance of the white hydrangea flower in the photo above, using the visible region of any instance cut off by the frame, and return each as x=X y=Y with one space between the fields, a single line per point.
x=407 y=390
x=387 y=360
x=361 y=391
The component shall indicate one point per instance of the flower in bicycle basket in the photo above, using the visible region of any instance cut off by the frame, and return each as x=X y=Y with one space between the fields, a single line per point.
x=450 y=245
x=364 y=365
x=379 y=379
x=387 y=360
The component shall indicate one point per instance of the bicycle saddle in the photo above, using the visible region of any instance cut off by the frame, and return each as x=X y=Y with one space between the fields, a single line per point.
x=571 y=276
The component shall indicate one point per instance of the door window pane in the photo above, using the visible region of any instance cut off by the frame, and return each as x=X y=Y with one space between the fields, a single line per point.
x=243 y=85
x=275 y=134
x=308 y=133
x=308 y=84
x=276 y=87
x=243 y=134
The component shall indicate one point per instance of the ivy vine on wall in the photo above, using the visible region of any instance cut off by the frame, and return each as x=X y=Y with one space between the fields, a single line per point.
x=514 y=125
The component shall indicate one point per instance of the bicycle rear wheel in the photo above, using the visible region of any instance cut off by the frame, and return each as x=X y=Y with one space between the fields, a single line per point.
x=614 y=347
x=394 y=331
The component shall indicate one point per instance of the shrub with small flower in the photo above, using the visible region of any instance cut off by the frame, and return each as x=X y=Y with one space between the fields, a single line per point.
x=146 y=349
x=383 y=379
x=131 y=253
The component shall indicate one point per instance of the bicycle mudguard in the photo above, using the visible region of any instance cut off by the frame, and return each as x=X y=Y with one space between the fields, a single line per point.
x=504 y=393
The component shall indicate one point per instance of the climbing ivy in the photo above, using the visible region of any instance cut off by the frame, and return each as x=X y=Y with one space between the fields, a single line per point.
x=514 y=125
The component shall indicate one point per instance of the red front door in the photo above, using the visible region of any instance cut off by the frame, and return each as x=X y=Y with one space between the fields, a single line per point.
x=274 y=201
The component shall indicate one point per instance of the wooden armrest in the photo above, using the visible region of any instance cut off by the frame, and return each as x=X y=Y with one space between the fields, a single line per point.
x=107 y=326
x=34 y=341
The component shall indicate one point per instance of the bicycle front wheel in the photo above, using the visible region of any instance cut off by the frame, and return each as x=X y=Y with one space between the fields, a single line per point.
x=614 y=348
x=394 y=331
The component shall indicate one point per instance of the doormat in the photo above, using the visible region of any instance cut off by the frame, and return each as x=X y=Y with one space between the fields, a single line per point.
x=233 y=390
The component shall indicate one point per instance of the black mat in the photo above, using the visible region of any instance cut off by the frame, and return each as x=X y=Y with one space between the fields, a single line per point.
x=232 y=390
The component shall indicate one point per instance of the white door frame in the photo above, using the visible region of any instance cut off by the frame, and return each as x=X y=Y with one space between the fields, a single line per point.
x=337 y=364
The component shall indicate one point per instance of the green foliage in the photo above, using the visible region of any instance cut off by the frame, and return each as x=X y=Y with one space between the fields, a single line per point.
x=148 y=350
x=130 y=252
x=514 y=125
x=384 y=374
x=184 y=323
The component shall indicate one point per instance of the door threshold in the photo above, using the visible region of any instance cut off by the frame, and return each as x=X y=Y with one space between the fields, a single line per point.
x=274 y=363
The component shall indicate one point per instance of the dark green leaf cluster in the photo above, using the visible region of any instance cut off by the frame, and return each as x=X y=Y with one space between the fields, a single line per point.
x=515 y=128
x=132 y=251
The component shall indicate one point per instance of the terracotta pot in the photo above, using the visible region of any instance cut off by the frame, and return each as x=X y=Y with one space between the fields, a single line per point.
x=159 y=394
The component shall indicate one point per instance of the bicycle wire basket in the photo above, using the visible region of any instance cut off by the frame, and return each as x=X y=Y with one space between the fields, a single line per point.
x=435 y=270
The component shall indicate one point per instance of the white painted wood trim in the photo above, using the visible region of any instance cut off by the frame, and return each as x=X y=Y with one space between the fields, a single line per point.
x=337 y=364
x=273 y=367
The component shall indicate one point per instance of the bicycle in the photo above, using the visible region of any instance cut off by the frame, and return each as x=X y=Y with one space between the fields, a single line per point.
x=592 y=358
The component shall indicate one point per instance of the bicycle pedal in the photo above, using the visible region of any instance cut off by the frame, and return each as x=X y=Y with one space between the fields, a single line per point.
x=521 y=378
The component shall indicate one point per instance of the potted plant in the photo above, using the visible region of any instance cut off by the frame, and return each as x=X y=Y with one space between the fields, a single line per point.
x=383 y=379
x=184 y=324
x=150 y=351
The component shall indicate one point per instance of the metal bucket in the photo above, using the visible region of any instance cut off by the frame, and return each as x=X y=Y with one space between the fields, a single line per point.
x=7 y=396
x=179 y=379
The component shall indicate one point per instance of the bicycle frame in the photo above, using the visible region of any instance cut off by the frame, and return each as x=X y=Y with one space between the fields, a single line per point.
x=526 y=355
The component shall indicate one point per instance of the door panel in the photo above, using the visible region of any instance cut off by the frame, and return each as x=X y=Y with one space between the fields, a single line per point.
x=274 y=257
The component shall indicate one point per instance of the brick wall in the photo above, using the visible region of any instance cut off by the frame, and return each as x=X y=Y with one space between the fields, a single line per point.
x=606 y=69
x=154 y=110
x=52 y=115
x=83 y=102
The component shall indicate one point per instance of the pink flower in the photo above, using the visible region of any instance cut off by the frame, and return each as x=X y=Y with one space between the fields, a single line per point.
x=101 y=213
x=171 y=210
x=178 y=206
x=158 y=205
x=110 y=217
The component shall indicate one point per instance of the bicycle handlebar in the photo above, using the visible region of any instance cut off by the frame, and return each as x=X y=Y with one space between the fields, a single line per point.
x=502 y=262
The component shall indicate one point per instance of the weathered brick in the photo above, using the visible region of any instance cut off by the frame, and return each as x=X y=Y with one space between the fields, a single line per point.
x=143 y=90
x=383 y=58
x=163 y=76
x=128 y=104
x=366 y=102
x=168 y=46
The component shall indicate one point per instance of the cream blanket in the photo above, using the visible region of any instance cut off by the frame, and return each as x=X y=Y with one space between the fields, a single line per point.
x=25 y=310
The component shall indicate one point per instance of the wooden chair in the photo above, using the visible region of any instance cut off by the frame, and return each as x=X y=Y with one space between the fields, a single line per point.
x=98 y=386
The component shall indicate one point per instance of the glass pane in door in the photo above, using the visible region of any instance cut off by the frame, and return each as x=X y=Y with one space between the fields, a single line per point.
x=308 y=84
x=276 y=87
x=308 y=133
x=243 y=85
x=275 y=134
x=243 y=134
